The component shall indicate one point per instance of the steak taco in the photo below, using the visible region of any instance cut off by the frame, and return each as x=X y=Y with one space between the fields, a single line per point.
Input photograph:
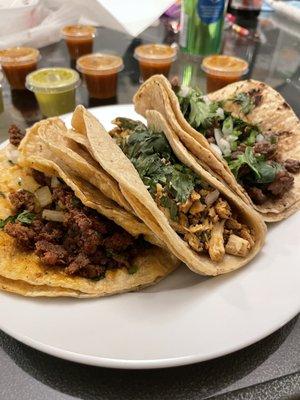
x=199 y=219
x=60 y=235
x=245 y=134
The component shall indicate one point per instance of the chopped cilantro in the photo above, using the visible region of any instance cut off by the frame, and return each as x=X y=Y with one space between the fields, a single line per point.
x=264 y=172
x=199 y=113
x=25 y=217
x=250 y=141
x=153 y=157
x=5 y=221
x=245 y=101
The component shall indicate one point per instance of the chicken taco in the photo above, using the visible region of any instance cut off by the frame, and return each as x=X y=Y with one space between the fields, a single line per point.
x=202 y=222
x=246 y=135
x=60 y=235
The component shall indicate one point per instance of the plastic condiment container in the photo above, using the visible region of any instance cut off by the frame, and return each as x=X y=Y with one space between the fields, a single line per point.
x=100 y=72
x=221 y=70
x=79 y=39
x=54 y=89
x=155 y=59
x=17 y=63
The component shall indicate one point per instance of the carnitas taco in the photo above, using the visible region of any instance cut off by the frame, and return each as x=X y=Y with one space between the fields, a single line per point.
x=198 y=218
x=60 y=235
x=246 y=135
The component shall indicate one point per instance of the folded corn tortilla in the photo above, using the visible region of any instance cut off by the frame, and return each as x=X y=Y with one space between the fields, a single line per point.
x=22 y=272
x=272 y=114
x=114 y=162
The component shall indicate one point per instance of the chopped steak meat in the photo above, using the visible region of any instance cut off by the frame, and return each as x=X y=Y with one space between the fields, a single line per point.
x=22 y=200
x=40 y=177
x=64 y=197
x=23 y=234
x=15 y=135
x=79 y=262
x=257 y=195
x=85 y=244
x=118 y=241
x=265 y=148
x=283 y=183
x=292 y=165
x=51 y=254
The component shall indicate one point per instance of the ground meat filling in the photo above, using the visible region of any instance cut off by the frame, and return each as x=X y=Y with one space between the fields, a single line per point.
x=292 y=165
x=15 y=135
x=283 y=183
x=22 y=200
x=84 y=244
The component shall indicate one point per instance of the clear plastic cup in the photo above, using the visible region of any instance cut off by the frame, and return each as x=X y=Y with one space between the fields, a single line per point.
x=79 y=39
x=54 y=89
x=155 y=59
x=222 y=69
x=100 y=72
x=17 y=63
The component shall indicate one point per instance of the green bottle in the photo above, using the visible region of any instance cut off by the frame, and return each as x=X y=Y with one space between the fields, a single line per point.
x=202 y=26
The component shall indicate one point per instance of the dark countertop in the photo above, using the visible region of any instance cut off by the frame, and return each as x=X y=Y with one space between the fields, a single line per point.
x=268 y=370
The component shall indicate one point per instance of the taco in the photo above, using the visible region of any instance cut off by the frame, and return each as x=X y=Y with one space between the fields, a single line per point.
x=61 y=236
x=199 y=219
x=246 y=135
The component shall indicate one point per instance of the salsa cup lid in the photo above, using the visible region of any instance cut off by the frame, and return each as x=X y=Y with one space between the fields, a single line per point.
x=52 y=80
x=155 y=53
x=218 y=64
x=78 y=31
x=99 y=64
x=19 y=55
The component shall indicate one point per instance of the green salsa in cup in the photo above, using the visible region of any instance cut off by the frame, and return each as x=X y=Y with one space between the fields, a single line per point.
x=54 y=89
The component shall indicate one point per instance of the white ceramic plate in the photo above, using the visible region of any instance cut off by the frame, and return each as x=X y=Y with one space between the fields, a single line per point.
x=184 y=319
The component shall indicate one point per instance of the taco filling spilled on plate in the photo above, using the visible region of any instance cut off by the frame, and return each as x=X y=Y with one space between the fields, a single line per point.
x=196 y=210
x=251 y=154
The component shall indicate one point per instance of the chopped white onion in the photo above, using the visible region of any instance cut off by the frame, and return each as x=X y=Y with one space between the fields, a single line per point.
x=216 y=149
x=260 y=138
x=206 y=100
x=225 y=147
x=54 y=182
x=53 y=215
x=223 y=144
x=12 y=153
x=44 y=196
x=220 y=112
x=211 y=197
x=218 y=135
x=184 y=91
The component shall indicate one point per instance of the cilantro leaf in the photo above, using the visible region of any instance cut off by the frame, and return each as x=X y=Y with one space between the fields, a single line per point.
x=130 y=124
x=264 y=172
x=198 y=112
x=245 y=101
x=25 y=217
x=5 y=221
x=181 y=185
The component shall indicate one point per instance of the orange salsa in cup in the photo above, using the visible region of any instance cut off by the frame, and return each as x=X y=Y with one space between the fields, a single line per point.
x=222 y=69
x=79 y=39
x=100 y=72
x=17 y=63
x=155 y=59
